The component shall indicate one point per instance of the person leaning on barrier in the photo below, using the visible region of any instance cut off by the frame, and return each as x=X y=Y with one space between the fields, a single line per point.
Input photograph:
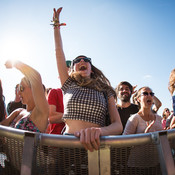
x=145 y=120
x=84 y=100
x=32 y=94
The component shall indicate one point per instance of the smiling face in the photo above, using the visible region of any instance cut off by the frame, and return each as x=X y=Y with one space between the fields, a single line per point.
x=145 y=97
x=82 y=65
x=124 y=93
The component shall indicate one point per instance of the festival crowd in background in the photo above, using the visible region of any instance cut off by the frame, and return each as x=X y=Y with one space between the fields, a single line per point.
x=86 y=105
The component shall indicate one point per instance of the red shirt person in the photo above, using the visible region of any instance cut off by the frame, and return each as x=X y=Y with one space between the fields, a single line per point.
x=56 y=110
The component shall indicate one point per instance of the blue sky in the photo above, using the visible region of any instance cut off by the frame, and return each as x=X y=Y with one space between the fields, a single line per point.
x=132 y=40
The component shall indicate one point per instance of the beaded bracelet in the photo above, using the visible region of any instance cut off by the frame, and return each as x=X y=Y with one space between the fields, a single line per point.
x=57 y=24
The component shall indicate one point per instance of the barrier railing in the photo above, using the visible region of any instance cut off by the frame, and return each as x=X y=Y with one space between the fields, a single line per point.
x=28 y=153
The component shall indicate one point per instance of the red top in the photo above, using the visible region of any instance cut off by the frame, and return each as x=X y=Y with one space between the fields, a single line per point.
x=55 y=97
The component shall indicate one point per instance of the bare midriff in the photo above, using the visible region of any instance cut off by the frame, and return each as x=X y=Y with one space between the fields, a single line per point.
x=76 y=125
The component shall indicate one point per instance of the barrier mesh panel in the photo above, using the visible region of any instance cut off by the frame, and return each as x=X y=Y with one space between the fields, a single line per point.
x=10 y=156
x=135 y=160
x=62 y=161
x=172 y=146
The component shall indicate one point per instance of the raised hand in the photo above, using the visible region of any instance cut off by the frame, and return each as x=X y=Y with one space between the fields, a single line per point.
x=9 y=64
x=149 y=125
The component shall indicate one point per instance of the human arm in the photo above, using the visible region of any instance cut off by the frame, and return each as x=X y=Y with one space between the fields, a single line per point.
x=172 y=124
x=55 y=100
x=15 y=115
x=157 y=104
x=60 y=57
x=40 y=111
x=54 y=117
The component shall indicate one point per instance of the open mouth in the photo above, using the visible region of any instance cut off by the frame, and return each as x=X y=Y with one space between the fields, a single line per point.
x=149 y=101
x=82 y=68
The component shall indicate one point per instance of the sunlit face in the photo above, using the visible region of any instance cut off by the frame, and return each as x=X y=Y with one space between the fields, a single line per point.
x=26 y=97
x=146 y=97
x=83 y=67
x=124 y=93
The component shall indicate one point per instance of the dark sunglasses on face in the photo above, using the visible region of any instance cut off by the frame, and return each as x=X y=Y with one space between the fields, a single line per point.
x=146 y=94
x=21 y=88
x=85 y=59
x=167 y=110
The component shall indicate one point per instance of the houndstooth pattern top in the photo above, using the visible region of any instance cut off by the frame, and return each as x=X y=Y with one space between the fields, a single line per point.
x=82 y=103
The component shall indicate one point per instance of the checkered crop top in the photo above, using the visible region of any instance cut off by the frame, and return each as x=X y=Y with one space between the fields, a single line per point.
x=82 y=103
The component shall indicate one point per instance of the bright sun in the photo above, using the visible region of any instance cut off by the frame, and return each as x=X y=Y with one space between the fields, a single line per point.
x=13 y=48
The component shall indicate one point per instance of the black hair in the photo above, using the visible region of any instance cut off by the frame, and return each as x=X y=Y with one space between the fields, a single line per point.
x=124 y=83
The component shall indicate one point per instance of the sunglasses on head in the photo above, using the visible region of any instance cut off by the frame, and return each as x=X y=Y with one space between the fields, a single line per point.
x=21 y=88
x=146 y=94
x=85 y=59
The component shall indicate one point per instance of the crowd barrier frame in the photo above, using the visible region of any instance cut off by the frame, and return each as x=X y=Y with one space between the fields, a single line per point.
x=99 y=162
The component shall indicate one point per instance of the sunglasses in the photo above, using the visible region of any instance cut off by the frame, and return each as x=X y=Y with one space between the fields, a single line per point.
x=167 y=110
x=146 y=94
x=85 y=59
x=21 y=88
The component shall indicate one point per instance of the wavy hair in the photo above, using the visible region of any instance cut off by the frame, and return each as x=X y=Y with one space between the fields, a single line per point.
x=171 y=84
x=97 y=80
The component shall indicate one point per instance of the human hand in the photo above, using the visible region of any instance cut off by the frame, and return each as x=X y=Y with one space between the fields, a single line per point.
x=172 y=126
x=134 y=89
x=56 y=14
x=8 y=64
x=89 y=138
x=149 y=125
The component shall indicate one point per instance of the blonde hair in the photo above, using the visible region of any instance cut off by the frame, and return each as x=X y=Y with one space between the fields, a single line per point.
x=26 y=81
x=171 y=84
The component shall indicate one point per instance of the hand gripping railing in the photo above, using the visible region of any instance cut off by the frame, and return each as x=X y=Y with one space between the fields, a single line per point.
x=29 y=153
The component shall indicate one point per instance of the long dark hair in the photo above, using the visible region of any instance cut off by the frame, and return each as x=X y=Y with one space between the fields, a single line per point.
x=97 y=80
x=2 y=104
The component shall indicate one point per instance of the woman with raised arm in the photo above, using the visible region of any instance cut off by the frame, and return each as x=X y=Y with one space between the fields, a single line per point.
x=145 y=120
x=35 y=117
x=143 y=157
x=84 y=89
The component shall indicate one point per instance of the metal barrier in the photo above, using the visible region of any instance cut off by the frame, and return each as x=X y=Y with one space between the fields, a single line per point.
x=28 y=153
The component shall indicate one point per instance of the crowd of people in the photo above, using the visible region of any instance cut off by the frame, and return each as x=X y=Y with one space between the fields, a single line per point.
x=81 y=106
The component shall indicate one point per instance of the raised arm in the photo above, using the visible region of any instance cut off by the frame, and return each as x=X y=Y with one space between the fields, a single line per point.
x=41 y=109
x=157 y=104
x=60 y=57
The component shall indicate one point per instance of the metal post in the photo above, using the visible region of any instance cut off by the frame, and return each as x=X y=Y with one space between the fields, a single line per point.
x=165 y=154
x=93 y=163
x=105 y=161
x=28 y=154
